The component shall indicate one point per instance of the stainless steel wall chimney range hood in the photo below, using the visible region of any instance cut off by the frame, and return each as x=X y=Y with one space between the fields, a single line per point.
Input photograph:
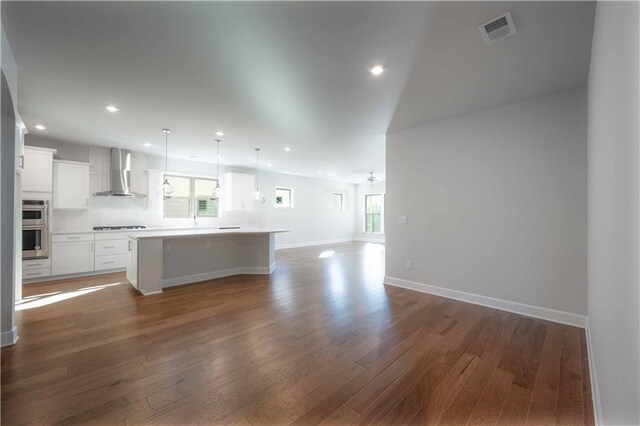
x=120 y=170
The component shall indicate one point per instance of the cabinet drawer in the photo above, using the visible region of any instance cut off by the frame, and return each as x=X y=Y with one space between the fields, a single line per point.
x=110 y=235
x=36 y=264
x=112 y=247
x=36 y=273
x=64 y=238
x=111 y=262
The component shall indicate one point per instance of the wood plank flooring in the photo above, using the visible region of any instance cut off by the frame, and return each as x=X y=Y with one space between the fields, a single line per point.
x=321 y=341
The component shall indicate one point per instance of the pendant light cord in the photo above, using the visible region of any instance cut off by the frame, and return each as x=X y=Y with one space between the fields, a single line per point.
x=257 y=170
x=218 y=162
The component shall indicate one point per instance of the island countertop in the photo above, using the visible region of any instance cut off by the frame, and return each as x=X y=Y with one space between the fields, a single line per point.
x=186 y=233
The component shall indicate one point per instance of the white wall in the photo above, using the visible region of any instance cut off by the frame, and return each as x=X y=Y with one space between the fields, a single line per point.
x=311 y=220
x=614 y=186
x=8 y=331
x=496 y=203
x=364 y=189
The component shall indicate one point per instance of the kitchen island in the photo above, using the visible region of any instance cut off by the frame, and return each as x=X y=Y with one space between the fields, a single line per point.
x=160 y=259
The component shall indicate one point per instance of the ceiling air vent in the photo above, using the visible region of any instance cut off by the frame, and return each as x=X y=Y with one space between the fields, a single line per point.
x=497 y=28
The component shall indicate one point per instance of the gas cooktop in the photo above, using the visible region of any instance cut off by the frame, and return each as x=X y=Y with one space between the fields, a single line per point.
x=118 y=228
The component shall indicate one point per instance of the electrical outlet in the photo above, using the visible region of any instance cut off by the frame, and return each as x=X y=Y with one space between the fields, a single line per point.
x=409 y=264
x=402 y=219
x=208 y=244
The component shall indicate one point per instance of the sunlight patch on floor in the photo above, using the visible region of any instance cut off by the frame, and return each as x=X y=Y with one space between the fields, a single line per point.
x=325 y=254
x=40 y=300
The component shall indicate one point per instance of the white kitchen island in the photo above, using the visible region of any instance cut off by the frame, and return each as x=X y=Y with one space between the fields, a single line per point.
x=160 y=259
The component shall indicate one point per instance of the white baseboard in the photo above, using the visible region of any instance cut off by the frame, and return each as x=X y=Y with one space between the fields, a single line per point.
x=71 y=276
x=314 y=243
x=595 y=391
x=501 y=304
x=370 y=240
x=8 y=338
x=248 y=270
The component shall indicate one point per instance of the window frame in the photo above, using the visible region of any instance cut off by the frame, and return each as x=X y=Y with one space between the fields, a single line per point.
x=382 y=213
x=193 y=198
x=291 y=197
x=342 y=201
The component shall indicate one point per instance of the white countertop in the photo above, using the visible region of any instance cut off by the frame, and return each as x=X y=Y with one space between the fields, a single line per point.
x=109 y=231
x=186 y=233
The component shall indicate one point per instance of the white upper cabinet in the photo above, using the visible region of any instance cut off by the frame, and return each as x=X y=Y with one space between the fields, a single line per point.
x=20 y=132
x=71 y=185
x=238 y=191
x=38 y=170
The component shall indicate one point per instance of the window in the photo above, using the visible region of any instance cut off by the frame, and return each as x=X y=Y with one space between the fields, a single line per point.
x=205 y=206
x=373 y=207
x=284 y=197
x=191 y=196
x=337 y=201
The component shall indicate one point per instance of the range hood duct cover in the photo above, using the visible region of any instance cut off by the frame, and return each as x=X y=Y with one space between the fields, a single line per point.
x=120 y=171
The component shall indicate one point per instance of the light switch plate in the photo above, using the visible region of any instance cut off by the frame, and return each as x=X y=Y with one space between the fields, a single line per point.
x=402 y=219
x=409 y=264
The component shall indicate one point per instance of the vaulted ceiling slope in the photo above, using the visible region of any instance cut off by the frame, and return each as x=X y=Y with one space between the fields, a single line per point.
x=276 y=74
x=456 y=73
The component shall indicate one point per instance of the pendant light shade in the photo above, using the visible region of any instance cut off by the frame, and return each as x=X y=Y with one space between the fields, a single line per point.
x=166 y=189
x=257 y=195
x=215 y=193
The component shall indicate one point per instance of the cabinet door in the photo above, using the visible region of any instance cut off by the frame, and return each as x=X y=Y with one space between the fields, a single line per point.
x=71 y=258
x=132 y=263
x=22 y=130
x=70 y=186
x=239 y=190
x=37 y=174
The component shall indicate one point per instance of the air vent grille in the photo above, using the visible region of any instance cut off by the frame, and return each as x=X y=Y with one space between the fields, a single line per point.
x=497 y=28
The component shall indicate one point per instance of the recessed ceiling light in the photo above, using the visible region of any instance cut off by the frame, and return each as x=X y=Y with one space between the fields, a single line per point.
x=269 y=165
x=193 y=156
x=376 y=69
x=287 y=148
x=219 y=156
x=39 y=127
x=220 y=133
x=319 y=173
x=147 y=144
x=112 y=108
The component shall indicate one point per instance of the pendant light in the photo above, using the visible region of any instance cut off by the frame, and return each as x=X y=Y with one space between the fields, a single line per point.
x=257 y=195
x=167 y=189
x=215 y=193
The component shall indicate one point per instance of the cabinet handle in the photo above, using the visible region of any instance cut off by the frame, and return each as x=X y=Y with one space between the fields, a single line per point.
x=91 y=247
x=106 y=247
x=129 y=242
x=21 y=161
x=32 y=274
x=34 y=264
x=73 y=238
x=111 y=261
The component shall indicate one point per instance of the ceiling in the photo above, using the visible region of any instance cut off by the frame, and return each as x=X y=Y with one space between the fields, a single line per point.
x=281 y=74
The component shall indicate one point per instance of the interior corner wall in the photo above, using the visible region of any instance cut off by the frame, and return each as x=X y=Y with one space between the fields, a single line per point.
x=614 y=213
x=496 y=203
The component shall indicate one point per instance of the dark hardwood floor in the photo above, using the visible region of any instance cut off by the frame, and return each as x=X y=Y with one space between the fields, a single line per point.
x=319 y=341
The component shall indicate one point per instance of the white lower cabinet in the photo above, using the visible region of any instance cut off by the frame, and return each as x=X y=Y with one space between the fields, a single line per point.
x=72 y=256
x=111 y=261
x=36 y=268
